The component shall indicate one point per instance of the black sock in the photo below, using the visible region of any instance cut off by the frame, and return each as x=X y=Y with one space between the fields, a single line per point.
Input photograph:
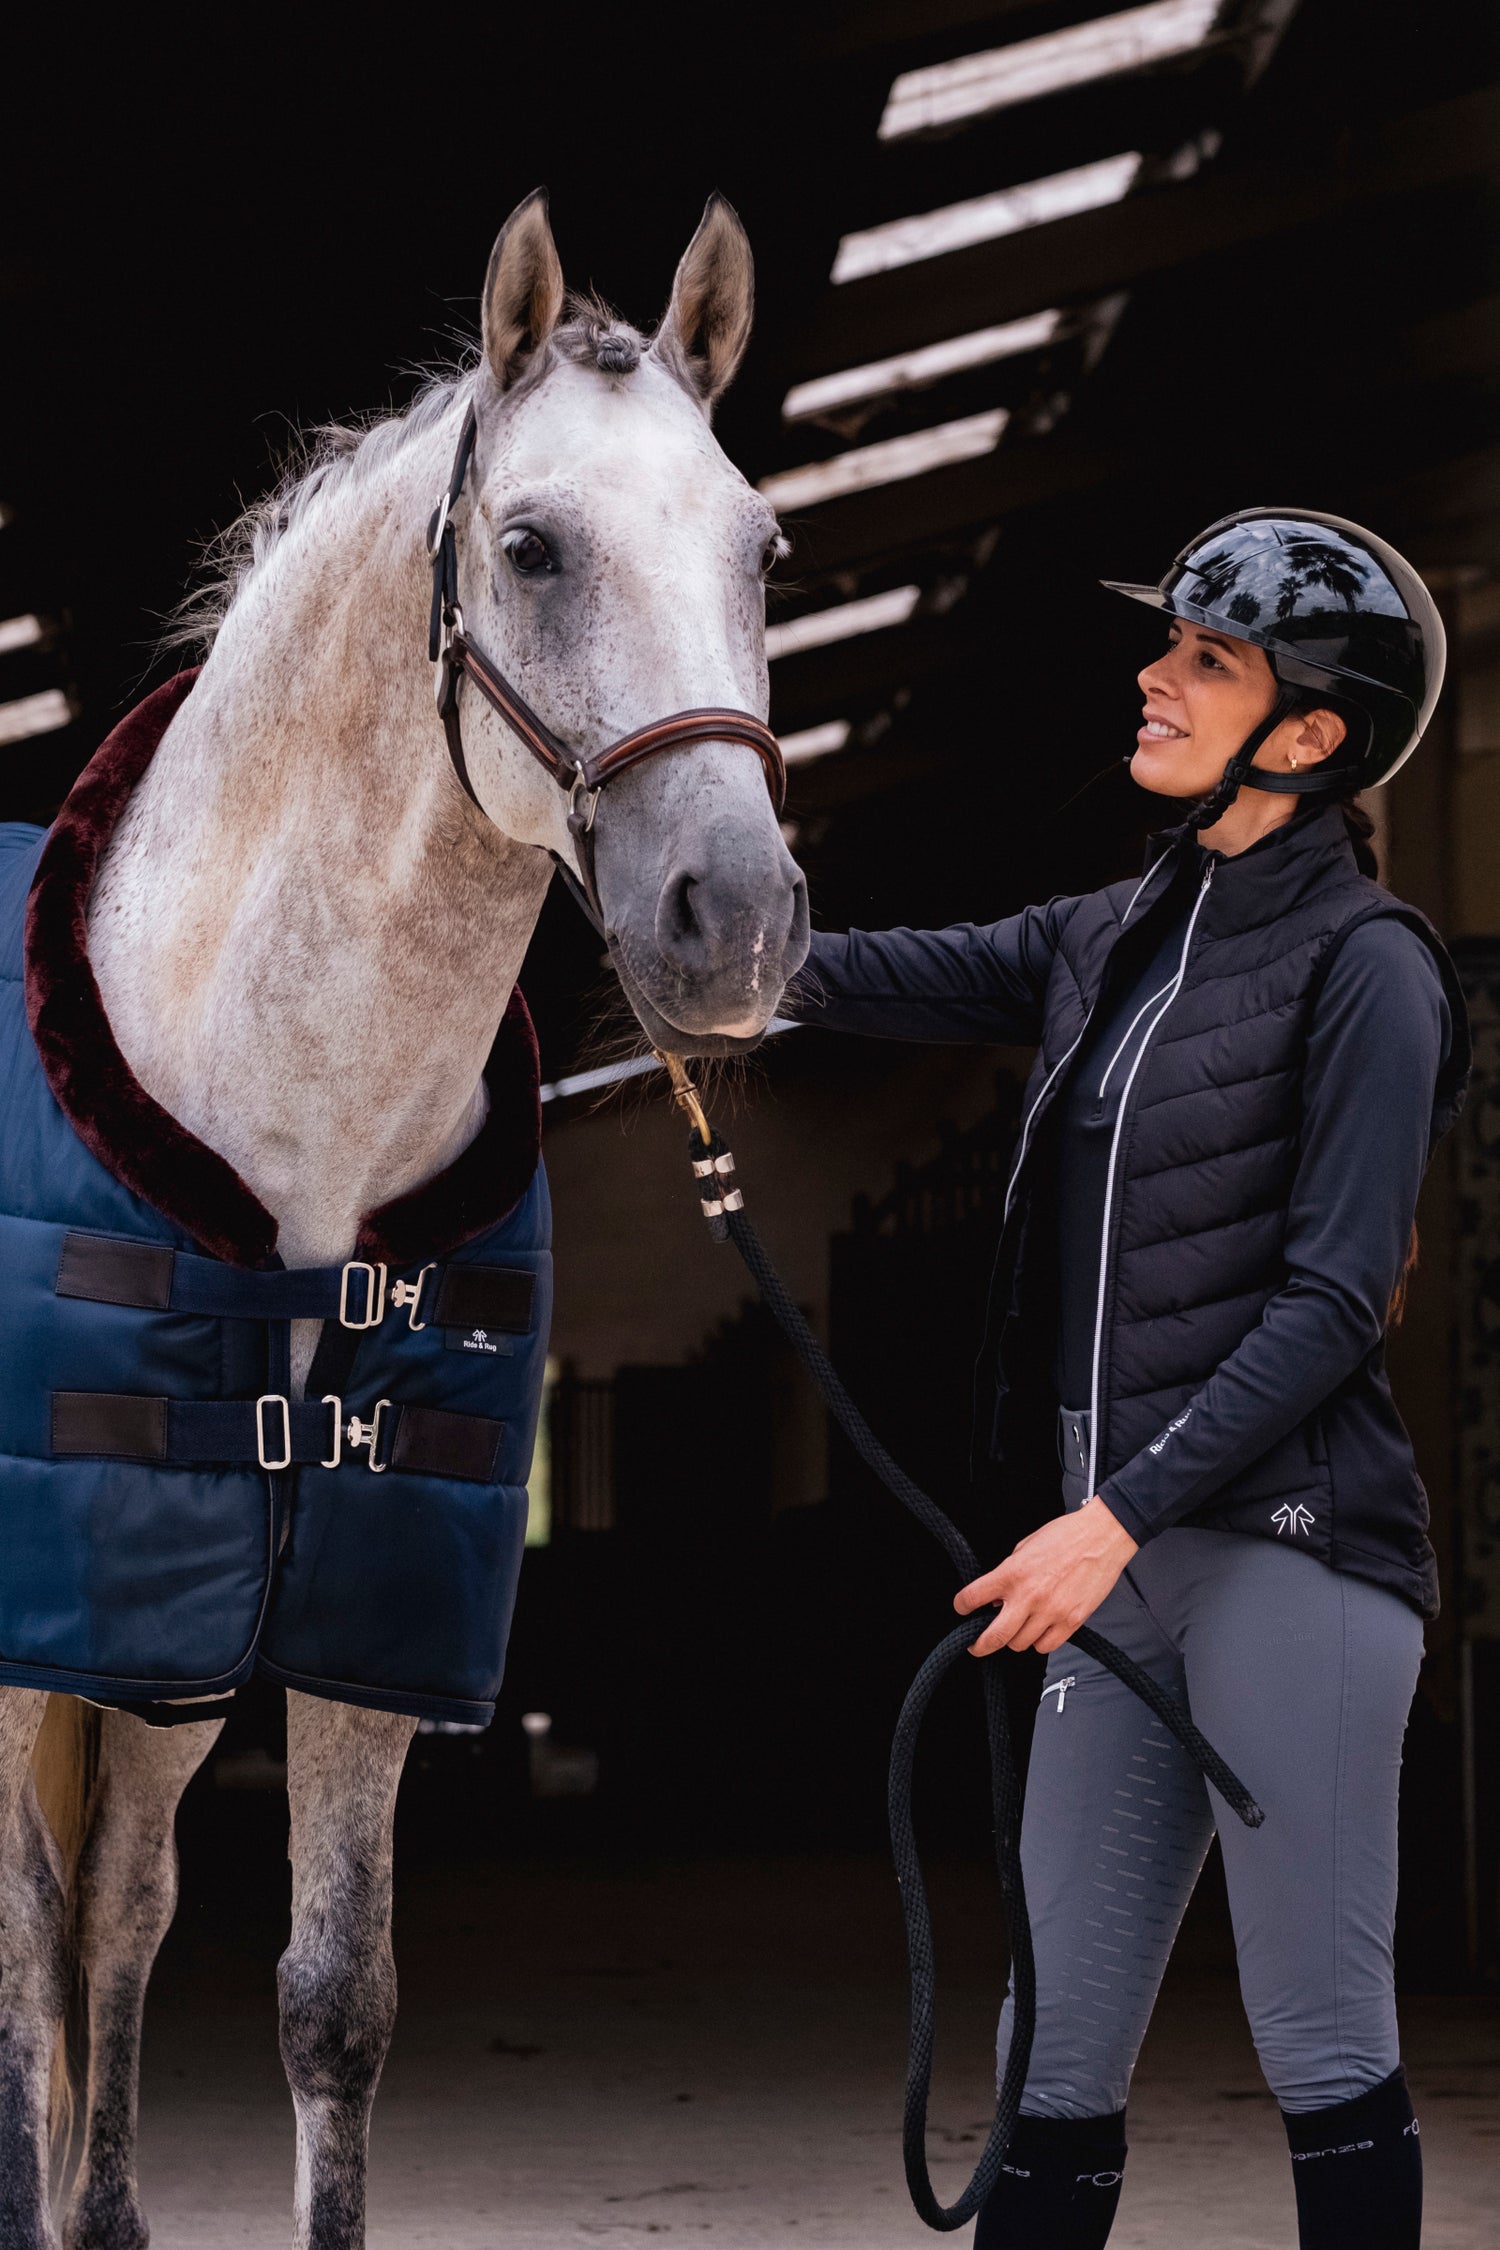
x=1060 y=2186
x=1358 y=2171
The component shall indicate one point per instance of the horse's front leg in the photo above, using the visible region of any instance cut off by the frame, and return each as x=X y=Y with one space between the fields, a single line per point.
x=33 y=1978
x=127 y=1890
x=338 y=1975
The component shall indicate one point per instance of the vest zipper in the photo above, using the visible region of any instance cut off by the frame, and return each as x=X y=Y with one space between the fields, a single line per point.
x=1015 y=1170
x=1021 y=1147
x=1170 y=995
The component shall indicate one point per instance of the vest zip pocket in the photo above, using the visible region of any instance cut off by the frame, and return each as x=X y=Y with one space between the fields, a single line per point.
x=1166 y=998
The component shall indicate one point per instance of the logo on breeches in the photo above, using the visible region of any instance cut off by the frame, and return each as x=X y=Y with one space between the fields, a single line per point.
x=1293 y=1519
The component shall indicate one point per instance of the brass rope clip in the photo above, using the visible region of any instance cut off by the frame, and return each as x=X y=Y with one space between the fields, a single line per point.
x=685 y=1094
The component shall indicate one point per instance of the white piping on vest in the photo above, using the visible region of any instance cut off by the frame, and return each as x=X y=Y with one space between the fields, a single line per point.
x=1015 y=1170
x=1125 y=1042
x=1135 y=894
x=1109 y=1178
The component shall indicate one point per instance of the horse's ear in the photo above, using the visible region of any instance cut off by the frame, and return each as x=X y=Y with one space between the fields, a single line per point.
x=707 y=323
x=523 y=289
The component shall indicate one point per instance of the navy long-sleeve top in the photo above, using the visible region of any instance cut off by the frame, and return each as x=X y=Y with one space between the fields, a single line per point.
x=1380 y=1032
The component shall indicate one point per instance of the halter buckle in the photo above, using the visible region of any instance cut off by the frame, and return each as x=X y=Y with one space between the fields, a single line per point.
x=438 y=524
x=359 y=1433
x=450 y=625
x=583 y=802
x=374 y=1279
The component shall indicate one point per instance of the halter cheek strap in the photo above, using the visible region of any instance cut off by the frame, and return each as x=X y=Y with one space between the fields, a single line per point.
x=584 y=778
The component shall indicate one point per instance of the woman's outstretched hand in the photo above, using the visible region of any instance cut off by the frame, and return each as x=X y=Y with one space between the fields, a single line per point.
x=1051 y=1582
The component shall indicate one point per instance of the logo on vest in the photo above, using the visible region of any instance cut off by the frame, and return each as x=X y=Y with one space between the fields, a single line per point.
x=1171 y=1430
x=478 y=1340
x=1293 y=1519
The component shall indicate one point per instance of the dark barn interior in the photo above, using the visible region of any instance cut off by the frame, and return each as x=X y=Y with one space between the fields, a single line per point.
x=1262 y=266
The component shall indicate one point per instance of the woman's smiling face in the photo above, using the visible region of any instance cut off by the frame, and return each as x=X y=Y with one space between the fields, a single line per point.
x=1204 y=695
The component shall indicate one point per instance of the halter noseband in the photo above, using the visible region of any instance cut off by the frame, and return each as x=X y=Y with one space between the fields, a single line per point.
x=457 y=659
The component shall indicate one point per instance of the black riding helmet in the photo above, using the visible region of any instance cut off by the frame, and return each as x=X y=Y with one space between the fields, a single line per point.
x=1341 y=616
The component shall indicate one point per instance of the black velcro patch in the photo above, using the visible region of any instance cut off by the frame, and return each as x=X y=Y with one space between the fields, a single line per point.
x=432 y=1442
x=484 y=1297
x=132 y=1429
x=108 y=1272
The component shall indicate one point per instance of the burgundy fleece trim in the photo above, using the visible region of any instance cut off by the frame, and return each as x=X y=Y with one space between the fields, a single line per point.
x=141 y=1143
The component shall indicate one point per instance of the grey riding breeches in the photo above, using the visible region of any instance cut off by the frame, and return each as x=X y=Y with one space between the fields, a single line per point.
x=1302 y=1677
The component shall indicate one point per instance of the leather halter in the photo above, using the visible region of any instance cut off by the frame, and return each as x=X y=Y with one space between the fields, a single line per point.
x=457 y=658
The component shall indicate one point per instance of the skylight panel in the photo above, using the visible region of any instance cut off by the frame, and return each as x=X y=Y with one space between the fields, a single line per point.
x=902 y=242
x=922 y=101
x=814 y=742
x=887 y=462
x=871 y=614
x=917 y=371
x=36 y=714
x=19 y=632
x=638 y=1066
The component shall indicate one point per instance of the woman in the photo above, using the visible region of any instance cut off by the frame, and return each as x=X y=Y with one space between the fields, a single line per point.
x=1245 y=1060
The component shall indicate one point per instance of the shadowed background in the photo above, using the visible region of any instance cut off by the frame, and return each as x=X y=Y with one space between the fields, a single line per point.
x=1263 y=266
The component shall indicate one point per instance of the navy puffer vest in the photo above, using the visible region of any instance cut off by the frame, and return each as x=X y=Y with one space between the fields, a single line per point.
x=171 y=1520
x=1203 y=1174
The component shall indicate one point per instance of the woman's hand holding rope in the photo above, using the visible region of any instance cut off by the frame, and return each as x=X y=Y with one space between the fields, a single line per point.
x=1051 y=1582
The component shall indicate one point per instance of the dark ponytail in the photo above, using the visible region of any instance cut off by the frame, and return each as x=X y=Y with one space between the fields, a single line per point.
x=1360 y=829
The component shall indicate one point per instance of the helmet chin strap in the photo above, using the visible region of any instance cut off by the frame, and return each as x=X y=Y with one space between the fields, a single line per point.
x=1242 y=773
x=1318 y=782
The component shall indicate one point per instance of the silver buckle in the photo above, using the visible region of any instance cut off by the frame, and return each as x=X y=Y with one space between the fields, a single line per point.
x=368 y=1433
x=583 y=802
x=273 y=1398
x=374 y=1294
x=331 y=1398
x=450 y=625
x=410 y=1293
x=440 y=525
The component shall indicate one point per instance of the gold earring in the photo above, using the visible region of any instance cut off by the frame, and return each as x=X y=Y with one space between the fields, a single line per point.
x=1291 y=760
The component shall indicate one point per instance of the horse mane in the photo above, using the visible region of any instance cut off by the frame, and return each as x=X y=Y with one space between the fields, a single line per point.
x=336 y=456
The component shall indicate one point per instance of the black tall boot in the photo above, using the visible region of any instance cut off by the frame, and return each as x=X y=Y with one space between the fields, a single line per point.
x=1358 y=2171
x=1060 y=2187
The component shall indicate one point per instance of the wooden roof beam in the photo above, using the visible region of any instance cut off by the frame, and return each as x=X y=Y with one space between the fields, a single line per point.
x=1145 y=234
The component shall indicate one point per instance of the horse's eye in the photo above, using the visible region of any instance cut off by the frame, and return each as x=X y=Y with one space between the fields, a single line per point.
x=528 y=551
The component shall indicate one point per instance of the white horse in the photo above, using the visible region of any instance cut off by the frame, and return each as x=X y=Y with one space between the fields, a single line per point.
x=305 y=935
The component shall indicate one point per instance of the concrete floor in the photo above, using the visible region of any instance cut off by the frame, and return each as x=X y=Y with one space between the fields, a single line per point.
x=601 y=2051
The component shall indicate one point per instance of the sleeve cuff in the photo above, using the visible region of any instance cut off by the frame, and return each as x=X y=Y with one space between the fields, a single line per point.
x=1126 y=1513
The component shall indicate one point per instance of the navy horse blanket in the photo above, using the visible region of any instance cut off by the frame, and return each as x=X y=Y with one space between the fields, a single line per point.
x=171 y=1519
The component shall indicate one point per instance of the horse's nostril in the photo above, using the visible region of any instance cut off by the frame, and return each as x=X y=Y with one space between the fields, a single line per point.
x=725 y=933
x=677 y=917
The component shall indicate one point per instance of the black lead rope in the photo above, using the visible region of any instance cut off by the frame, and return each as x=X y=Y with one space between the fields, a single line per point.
x=723 y=1207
